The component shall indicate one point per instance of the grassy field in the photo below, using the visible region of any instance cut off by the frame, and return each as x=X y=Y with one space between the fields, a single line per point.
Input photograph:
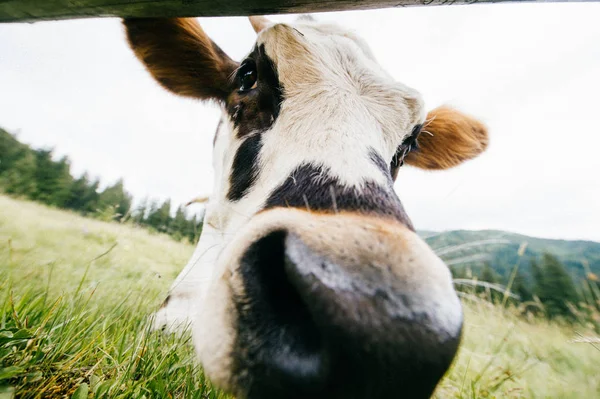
x=75 y=295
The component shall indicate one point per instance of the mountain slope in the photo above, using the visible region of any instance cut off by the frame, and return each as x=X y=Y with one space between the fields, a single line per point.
x=501 y=250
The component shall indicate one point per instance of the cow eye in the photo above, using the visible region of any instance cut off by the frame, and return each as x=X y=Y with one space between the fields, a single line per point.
x=248 y=76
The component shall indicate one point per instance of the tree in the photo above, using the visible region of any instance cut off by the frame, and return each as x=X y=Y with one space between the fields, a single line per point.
x=554 y=287
x=83 y=195
x=52 y=179
x=521 y=287
x=160 y=217
x=20 y=178
x=194 y=228
x=11 y=150
x=538 y=276
x=138 y=216
x=179 y=224
x=91 y=197
x=488 y=275
x=116 y=197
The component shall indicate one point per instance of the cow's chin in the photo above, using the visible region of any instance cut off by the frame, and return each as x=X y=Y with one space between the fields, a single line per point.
x=309 y=305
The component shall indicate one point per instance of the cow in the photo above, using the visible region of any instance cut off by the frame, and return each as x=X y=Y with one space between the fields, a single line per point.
x=309 y=280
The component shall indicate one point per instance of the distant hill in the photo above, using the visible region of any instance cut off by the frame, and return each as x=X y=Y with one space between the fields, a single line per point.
x=466 y=248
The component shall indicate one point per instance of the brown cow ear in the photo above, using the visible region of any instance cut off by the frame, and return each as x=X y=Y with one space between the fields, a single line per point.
x=181 y=57
x=447 y=139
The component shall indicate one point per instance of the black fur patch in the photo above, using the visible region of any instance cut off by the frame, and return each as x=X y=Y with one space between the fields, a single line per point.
x=257 y=109
x=253 y=112
x=312 y=187
x=244 y=170
x=409 y=144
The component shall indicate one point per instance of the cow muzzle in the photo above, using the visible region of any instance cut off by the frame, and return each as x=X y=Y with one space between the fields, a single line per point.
x=338 y=306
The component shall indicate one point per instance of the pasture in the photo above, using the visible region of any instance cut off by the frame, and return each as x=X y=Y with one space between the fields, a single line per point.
x=75 y=295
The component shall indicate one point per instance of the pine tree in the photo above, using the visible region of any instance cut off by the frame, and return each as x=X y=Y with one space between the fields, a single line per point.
x=521 y=287
x=140 y=212
x=151 y=210
x=488 y=275
x=194 y=228
x=555 y=288
x=117 y=198
x=538 y=276
x=52 y=179
x=179 y=224
x=91 y=197
x=160 y=217
x=20 y=178
x=11 y=150
x=83 y=196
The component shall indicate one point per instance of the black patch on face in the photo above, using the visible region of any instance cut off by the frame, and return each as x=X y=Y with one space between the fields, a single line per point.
x=253 y=112
x=256 y=110
x=244 y=170
x=312 y=187
x=409 y=144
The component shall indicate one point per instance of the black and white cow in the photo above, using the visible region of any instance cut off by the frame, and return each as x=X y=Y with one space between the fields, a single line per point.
x=309 y=280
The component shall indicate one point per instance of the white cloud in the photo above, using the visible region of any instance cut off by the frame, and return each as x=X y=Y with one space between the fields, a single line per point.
x=529 y=71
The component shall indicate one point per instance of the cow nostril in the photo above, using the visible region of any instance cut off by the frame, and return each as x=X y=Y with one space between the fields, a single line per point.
x=277 y=335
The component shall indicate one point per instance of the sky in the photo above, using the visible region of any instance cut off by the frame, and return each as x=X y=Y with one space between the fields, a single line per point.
x=531 y=72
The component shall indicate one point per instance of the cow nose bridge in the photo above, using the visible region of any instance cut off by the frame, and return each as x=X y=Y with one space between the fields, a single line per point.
x=343 y=306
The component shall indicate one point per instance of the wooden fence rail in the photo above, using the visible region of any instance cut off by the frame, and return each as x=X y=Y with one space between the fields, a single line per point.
x=38 y=10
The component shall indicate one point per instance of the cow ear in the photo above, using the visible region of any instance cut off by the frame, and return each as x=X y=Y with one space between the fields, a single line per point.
x=181 y=57
x=448 y=138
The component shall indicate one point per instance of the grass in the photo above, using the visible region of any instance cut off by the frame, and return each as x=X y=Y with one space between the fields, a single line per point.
x=75 y=295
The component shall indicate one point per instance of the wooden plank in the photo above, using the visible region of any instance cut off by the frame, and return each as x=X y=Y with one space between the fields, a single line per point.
x=38 y=10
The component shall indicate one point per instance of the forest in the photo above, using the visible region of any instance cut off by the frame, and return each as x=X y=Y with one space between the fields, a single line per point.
x=36 y=175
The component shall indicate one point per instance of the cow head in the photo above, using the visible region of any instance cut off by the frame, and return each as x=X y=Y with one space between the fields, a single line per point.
x=309 y=280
